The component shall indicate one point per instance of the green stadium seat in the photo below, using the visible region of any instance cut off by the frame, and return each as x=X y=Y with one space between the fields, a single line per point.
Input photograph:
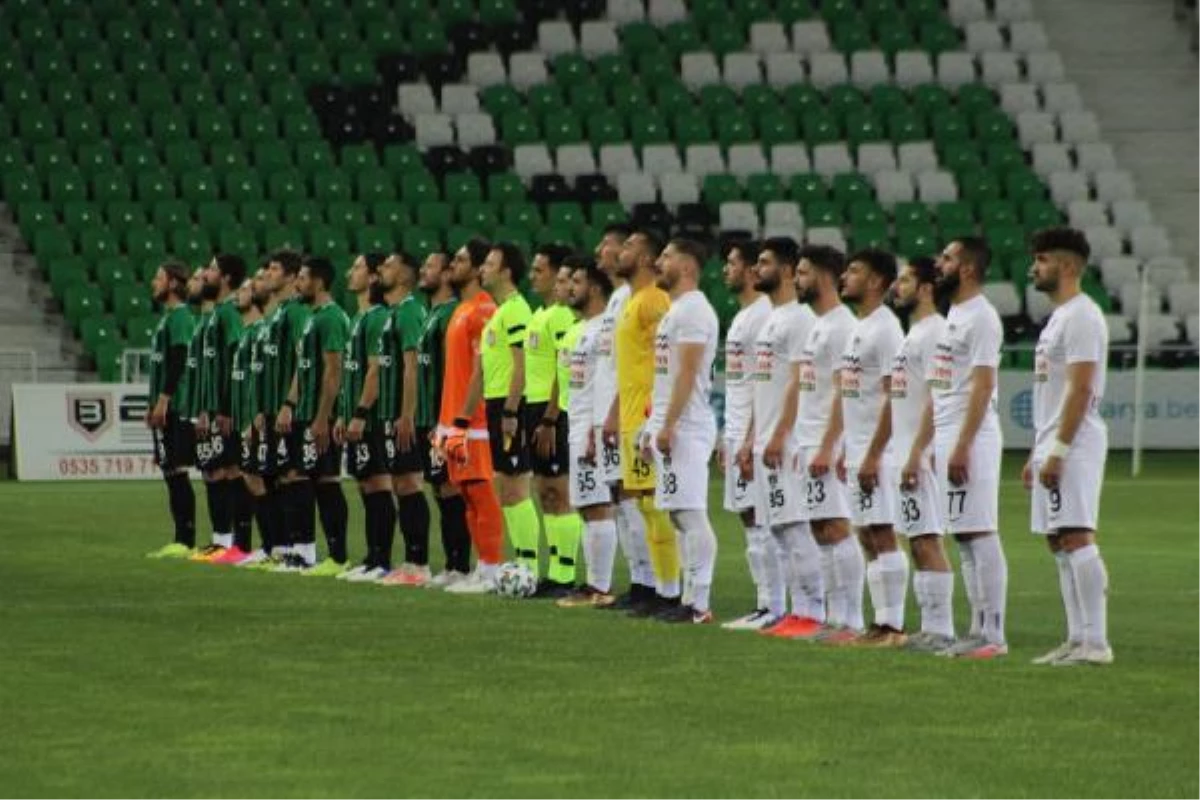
x=718 y=189
x=242 y=186
x=63 y=272
x=96 y=243
x=286 y=185
x=521 y=215
x=97 y=331
x=191 y=244
x=519 y=127
x=373 y=239
x=961 y=156
x=823 y=214
x=113 y=272
x=144 y=242
x=199 y=185
x=345 y=215
x=758 y=99
x=303 y=213
x=21 y=185
x=391 y=214
x=139 y=329
x=586 y=98
x=722 y=39
x=1038 y=214
x=417 y=188
x=734 y=129
x=498 y=100
x=121 y=215
x=82 y=300
x=605 y=127
x=807 y=187
x=215 y=215
x=80 y=215
x=763 y=188
x=65 y=184
x=478 y=216
x=171 y=214
x=277 y=237
x=562 y=128
x=435 y=215
x=916 y=240
x=975 y=186
x=420 y=240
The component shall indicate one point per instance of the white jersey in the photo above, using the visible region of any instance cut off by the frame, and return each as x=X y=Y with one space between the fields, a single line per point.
x=910 y=391
x=822 y=355
x=583 y=380
x=972 y=338
x=739 y=366
x=606 y=355
x=779 y=347
x=690 y=320
x=866 y=362
x=1075 y=333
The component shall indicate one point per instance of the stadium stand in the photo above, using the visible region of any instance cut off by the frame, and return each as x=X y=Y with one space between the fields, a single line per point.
x=130 y=131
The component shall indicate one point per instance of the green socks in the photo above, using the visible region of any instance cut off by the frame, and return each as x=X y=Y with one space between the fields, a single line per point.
x=522 y=522
x=563 y=532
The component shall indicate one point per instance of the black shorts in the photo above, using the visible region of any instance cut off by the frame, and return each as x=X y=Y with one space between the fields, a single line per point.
x=514 y=460
x=558 y=465
x=298 y=452
x=247 y=459
x=432 y=463
x=403 y=462
x=175 y=444
x=367 y=457
x=265 y=446
x=217 y=452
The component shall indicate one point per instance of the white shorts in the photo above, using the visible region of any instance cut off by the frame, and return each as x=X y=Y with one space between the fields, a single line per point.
x=681 y=482
x=974 y=506
x=778 y=493
x=878 y=507
x=825 y=497
x=739 y=492
x=918 y=513
x=1076 y=501
x=610 y=459
x=588 y=487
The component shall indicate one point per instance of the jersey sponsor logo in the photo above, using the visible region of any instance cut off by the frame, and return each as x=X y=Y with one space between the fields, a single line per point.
x=662 y=353
x=899 y=388
x=735 y=361
x=851 y=376
x=808 y=373
x=534 y=340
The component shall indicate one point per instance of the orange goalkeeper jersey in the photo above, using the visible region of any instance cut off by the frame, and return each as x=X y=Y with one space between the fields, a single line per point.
x=462 y=346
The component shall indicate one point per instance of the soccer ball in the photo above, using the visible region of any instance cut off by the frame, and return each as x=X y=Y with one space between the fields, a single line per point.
x=515 y=580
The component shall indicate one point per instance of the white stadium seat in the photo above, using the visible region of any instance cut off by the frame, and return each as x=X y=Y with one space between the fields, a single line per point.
x=1028 y=37
x=1166 y=270
x=414 y=99
x=784 y=69
x=1036 y=127
x=790 y=159
x=1017 y=97
x=917 y=157
x=1160 y=329
x=1059 y=97
x=768 y=37
x=739 y=216
x=1095 y=157
x=556 y=37
x=1003 y=295
x=782 y=213
x=618 y=159
x=660 y=159
x=1079 y=127
x=936 y=187
x=434 y=130
x=746 y=159
x=704 y=159
x=1116 y=272
x=1129 y=214
x=573 y=160
x=1113 y=185
x=999 y=67
x=964 y=11
x=893 y=187
x=1105 y=241
x=1037 y=305
x=869 y=67
x=678 y=187
x=1049 y=157
x=1192 y=327
x=810 y=37
x=1183 y=299
x=1066 y=187
x=664 y=12
x=741 y=70
x=1012 y=10
x=527 y=69
x=1086 y=214
x=983 y=35
x=485 y=69
x=598 y=37
x=475 y=129
x=1130 y=296
x=875 y=157
x=623 y=11
x=831 y=158
x=634 y=188
x=827 y=236
x=827 y=69
x=913 y=68
x=699 y=69
x=459 y=98
x=1044 y=67
x=531 y=159
x=1119 y=329
x=955 y=69
x=1149 y=241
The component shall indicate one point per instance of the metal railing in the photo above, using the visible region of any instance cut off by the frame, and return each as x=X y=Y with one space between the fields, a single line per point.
x=135 y=365
x=17 y=365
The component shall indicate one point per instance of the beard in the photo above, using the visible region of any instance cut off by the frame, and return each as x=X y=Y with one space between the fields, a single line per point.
x=765 y=284
x=209 y=291
x=1048 y=284
x=946 y=286
x=806 y=295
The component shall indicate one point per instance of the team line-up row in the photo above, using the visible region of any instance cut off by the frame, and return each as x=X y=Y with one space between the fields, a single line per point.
x=842 y=433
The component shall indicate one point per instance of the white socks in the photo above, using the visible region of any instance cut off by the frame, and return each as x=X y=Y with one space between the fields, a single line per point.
x=762 y=553
x=934 y=592
x=991 y=574
x=971 y=586
x=698 y=548
x=1091 y=588
x=887 y=577
x=1070 y=597
x=800 y=561
x=306 y=551
x=600 y=545
x=845 y=568
x=631 y=528
x=223 y=539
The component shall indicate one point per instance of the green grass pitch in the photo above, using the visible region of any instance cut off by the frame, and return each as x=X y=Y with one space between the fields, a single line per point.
x=127 y=677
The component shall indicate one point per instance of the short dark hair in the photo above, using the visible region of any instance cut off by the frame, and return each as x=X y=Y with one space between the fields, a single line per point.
x=925 y=268
x=405 y=258
x=784 y=248
x=881 y=262
x=595 y=275
x=1061 y=238
x=320 y=267
x=556 y=254
x=825 y=258
x=477 y=250
x=232 y=267
x=514 y=260
x=748 y=248
x=290 y=260
x=621 y=229
x=977 y=252
x=654 y=242
x=691 y=248
x=178 y=274
x=373 y=261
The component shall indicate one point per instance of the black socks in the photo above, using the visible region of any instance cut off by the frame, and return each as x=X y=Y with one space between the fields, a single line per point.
x=456 y=538
x=413 y=513
x=381 y=528
x=299 y=506
x=334 y=514
x=182 y=502
x=243 y=513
